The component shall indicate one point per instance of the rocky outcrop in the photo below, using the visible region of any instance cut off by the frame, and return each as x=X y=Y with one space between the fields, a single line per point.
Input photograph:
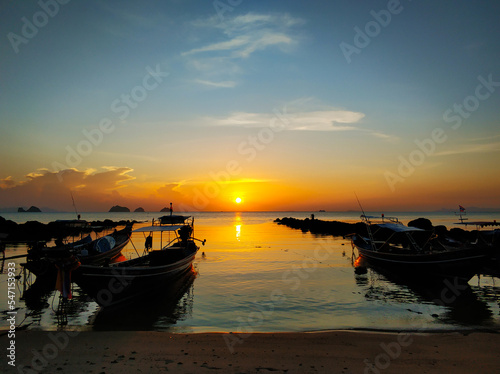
x=32 y=231
x=118 y=208
x=421 y=223
x=336 y=228
x=32 y=209
x=319 y=227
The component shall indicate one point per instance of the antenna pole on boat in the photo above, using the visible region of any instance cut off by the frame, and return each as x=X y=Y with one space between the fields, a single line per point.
x=366 y=223
x=359 y=203
x=462 y=211
x=74 y=206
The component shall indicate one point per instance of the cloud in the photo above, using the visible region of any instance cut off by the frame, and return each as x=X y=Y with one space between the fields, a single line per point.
x=93 y=190
x=224 y=84
x=189 y=184
x=241 y=36
x=222 y=46
x=471 y=148
x=170 y=192
x=224 y=50
x=110 y=179
x=244 y=23
x=7 y=182
x=325 y=120
x=261 y=43
x=380 y=135
x=244 y=46
x=303 y=114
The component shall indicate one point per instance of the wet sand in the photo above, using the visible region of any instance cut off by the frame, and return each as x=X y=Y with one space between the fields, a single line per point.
x=319 y=352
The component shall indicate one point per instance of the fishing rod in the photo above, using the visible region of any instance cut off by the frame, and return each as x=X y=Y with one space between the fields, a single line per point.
x=74 y=205
x=367 y=222
x=360 y=206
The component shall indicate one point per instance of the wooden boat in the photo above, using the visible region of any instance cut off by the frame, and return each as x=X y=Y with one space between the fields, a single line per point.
x=484 y=236
x=171 y=218
x=415 y=252
x=41 y=261
x=160 y=311
x=119 y=282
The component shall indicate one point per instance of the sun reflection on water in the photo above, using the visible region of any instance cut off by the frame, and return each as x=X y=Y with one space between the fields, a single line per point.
x=237 y=225
x=238 y=232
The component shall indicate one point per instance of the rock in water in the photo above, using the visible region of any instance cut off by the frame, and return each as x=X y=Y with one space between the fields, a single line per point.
x=421 y=223
x=118 y=208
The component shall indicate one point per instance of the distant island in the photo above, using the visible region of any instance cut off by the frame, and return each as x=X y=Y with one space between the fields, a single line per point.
x=140 y=209
x=118 y=208
x=165 y=210
x=32 y=209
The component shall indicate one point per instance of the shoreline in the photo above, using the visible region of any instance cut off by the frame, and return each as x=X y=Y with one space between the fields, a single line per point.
x=368 y=330
x=35 y=231
x=332 y=351
x=342 y=228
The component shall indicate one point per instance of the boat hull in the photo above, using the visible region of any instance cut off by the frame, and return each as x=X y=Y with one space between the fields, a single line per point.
x=128 y=280
x=44 y=267
x=460 y=263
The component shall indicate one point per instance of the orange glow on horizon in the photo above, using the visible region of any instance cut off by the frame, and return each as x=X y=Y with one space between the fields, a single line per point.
x=334 y=193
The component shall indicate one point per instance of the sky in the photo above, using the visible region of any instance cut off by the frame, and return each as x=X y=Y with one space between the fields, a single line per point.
x=287 y=105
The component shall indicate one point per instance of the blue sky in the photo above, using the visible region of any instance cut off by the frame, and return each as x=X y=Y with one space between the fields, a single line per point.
x=223 y=75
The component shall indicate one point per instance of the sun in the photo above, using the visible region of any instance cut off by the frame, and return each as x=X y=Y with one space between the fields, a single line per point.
x=238 y=200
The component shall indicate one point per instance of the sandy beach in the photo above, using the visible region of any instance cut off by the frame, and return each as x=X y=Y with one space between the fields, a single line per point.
x=318 y=352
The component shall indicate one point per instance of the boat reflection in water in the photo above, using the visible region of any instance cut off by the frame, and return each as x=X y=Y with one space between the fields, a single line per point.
x=418 y=253
x=122 y=282
x=174 y=302
x=43 y=304
x=36 y=299
x=447 y=301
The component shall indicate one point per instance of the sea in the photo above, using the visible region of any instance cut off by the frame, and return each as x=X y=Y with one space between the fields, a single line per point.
x=254 y=275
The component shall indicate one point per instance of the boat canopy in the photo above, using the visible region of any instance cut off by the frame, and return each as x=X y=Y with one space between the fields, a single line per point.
x=172 y=219
x=398 y=228
x=158 y=228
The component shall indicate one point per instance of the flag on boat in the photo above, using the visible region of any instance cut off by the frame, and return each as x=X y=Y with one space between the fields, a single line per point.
x=462 y=209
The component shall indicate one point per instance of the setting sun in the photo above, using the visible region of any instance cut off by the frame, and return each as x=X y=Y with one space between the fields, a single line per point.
x=238 y=200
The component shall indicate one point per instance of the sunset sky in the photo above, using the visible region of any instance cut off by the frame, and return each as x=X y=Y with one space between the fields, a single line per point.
x=288 y=105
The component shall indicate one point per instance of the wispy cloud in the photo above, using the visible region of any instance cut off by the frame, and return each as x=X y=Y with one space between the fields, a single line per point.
x=327 y=120
x=7 y=182
x=303 y=114
x=471 y=148
x=380 y=135
x=228 y=45
x=244 y=23
x=239 y=38
x=202 y=182
x=224 y=84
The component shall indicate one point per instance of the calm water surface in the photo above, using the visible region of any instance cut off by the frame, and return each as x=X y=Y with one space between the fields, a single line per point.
x=255 y=275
